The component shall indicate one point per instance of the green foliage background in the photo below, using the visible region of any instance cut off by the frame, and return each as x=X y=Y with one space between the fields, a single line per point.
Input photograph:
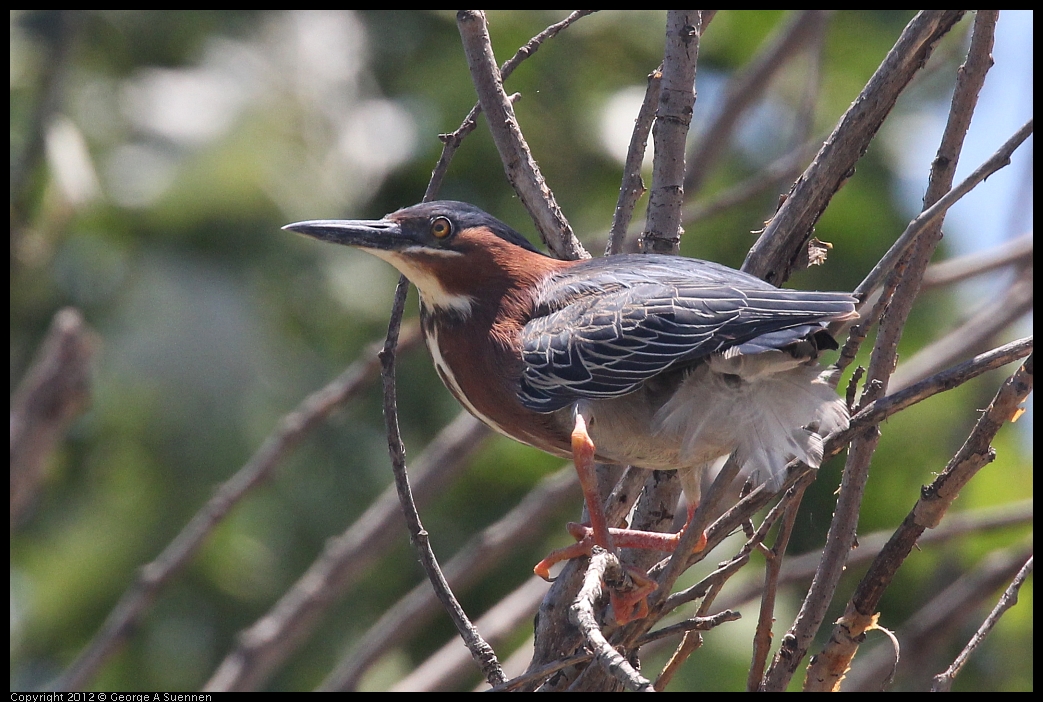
x=205 y=133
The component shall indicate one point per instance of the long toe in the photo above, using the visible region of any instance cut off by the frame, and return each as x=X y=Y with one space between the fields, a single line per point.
x=580 y=548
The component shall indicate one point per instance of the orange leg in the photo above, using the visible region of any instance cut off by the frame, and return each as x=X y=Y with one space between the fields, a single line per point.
x=583 y=457
x=632 y=605
x=598 y=532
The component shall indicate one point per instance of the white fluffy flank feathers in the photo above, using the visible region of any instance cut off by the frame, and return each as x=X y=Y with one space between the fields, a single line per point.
x=768 y=414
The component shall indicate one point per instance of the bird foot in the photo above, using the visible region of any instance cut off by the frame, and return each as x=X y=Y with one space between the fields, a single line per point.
x=630 y=600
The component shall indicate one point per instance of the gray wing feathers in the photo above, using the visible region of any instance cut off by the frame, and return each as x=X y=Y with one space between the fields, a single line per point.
x=605 y=327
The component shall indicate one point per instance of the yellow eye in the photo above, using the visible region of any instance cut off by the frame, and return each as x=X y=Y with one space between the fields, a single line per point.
x=441 y=228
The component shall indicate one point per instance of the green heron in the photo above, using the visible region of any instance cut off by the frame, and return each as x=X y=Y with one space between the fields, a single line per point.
x=662 y=362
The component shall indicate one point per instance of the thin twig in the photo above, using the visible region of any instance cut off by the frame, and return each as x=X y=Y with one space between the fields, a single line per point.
x=483 y=654
x=451 y=142
x=943 y=681
x=488 y=80
x=995 y=316
x=694 y=624
x=632 y=187
x=766 y=616
x=878 y=410
x=712 y=581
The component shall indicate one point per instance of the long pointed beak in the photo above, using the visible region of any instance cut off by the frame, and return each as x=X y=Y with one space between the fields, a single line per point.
x=379 y=234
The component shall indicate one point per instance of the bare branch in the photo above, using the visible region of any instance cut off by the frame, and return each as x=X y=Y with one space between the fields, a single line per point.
x=943 y=682
x=793 y=223
x=289 y=432
x=54 y=391
x=521 y=169
x=451 y=142
x=694 y=624
x=628 y=636
x=632 y=187
x=673 y=118
x=828 y=668
x=582 y=615
x=710 y=587
x=747 y=86
x=479 y=555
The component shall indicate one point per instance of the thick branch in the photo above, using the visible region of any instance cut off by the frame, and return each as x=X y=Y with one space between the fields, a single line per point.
x=673 y=119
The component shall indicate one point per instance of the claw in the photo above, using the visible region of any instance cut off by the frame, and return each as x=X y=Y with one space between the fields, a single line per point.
x=581 y=548
x=630 y=604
